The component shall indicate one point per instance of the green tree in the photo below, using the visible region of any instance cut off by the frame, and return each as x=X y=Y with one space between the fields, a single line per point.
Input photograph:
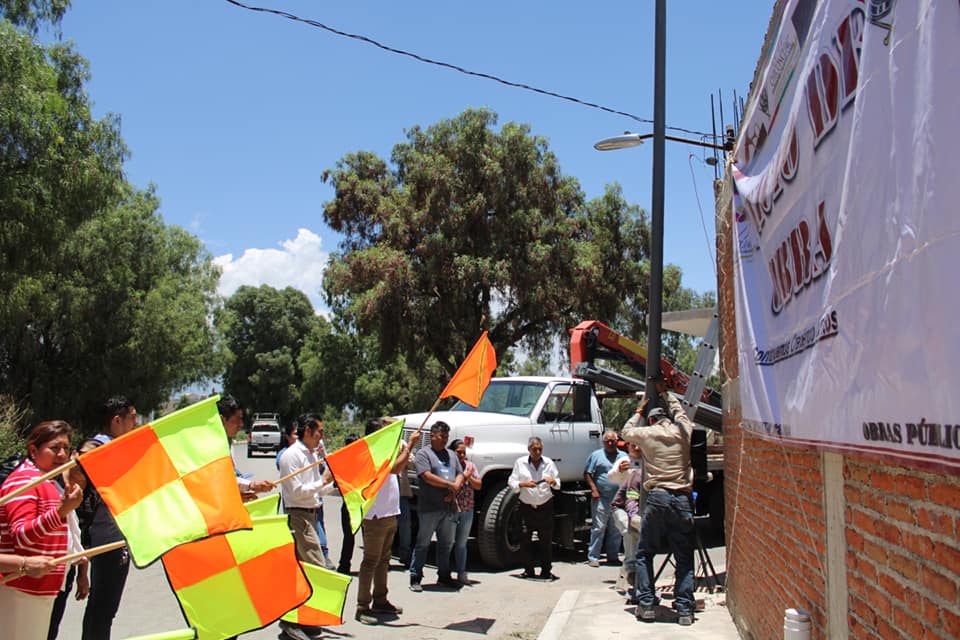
x=475 y=228
x=97 y=295
x=30 y=14
x=264 y=330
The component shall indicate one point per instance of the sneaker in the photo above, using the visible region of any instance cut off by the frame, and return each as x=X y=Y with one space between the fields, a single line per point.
x=329 y=564
x=364 y=616
x=646 y=613
x=685 y=619
x=386 y=607
x=528 y=574
x=415 y=585
x=463 y=579
x=593 y=563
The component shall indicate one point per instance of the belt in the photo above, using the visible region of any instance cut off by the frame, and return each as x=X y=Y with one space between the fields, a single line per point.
x=675 y=492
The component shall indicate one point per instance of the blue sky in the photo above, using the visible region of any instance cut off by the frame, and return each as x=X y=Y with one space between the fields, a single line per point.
x=234 y=115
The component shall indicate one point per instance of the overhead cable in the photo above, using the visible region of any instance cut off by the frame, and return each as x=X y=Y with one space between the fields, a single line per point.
x=453 y=67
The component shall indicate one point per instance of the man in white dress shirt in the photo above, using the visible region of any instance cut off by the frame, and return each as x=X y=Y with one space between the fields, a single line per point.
x=535 y=477
x=301 y=499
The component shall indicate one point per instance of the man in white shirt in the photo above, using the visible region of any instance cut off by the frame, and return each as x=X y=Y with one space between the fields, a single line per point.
x=301 y=497
x=379 y=529
x=535 y=477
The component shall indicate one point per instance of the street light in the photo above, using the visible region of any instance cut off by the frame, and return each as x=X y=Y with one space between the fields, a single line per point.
x=636 y=139
x=655 y=298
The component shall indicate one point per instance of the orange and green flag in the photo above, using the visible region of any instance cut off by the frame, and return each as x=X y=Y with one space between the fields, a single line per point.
x=265 y=506
x=325 y=606
x=238 y=582
x=473 y=376
x=180 y=634
x=361 y=467
x=169 y=482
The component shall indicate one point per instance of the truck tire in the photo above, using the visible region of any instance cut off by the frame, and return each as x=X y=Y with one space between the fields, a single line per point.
x=500 y=533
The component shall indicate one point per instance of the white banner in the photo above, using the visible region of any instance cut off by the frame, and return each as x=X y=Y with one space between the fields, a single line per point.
x=847 y=230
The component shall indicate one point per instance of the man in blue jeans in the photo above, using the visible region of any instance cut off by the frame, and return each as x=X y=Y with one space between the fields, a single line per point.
x=441 y=477
x=668 y=513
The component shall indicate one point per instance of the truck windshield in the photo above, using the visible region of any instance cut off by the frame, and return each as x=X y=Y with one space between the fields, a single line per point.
x=512 y=397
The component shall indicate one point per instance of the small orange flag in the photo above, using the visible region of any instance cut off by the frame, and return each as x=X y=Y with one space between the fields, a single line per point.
x=473 y=376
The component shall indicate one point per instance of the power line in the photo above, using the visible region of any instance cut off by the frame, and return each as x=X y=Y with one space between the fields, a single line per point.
x=453 y=67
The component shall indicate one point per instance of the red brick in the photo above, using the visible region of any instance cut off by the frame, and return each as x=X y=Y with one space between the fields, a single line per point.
x=883 y=482
x=951 y=622
x=860 y=474
x=945 y=493
x=948 y=557
x=879 y=601
x=900 y=511
x=885 y=631
x=906 y=623
x=854 y=539
x=918 y=544
x=911 y=487
x=938 y=583
x=930 y=613
x=907 y=567
x=863 y=522
x=889 y=531
x=934 y=521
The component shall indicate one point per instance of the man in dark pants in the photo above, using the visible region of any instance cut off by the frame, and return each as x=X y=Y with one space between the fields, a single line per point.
x=668 y=512
x=441 y=477
x=535 y=477
x=108 y=571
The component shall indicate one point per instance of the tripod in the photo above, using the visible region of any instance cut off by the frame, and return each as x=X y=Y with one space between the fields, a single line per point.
x=704 y=573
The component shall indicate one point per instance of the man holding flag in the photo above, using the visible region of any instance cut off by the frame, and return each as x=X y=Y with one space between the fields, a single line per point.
x=301 y=496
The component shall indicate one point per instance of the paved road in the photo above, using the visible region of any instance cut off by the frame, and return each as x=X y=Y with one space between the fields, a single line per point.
x=499 y=606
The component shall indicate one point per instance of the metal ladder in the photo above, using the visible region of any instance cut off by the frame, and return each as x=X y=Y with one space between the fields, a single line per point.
x=705 y=358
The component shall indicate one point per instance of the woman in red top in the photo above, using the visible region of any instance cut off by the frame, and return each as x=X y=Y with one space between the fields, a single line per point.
x=35 y=524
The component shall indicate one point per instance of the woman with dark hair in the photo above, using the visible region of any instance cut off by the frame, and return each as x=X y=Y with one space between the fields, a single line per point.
x=465 y=508
x=35 y=524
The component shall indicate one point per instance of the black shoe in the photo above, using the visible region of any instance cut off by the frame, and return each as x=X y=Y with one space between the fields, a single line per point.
x=546 y=575
x=449 y=582
x=293 y=631
x=364 y=616
x=415 y=585
x=528 y=574
x=685 y=619
x=386 y=607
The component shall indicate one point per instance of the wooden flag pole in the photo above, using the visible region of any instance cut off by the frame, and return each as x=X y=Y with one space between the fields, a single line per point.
x=299 y=471
x=47 y=476
x=86 y=553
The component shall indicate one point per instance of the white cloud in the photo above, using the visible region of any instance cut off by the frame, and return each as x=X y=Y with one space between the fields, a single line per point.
x=299 y=263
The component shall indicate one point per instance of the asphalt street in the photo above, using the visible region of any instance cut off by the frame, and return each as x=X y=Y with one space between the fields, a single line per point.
x=498 y=605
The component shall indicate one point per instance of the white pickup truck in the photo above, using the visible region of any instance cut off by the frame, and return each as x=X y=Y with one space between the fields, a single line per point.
x=564 y=413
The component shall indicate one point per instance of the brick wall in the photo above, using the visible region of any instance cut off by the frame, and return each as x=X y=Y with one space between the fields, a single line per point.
x=903 y=559
x=901 y=523
x=776 y=533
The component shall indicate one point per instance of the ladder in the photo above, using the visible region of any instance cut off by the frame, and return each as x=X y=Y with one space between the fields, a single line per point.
x=705 y=358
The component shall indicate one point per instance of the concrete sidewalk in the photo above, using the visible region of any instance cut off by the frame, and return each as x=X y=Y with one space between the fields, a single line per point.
x=601 y=614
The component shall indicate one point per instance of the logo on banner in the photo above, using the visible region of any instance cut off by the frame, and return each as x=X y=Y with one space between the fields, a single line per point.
x=880 y=11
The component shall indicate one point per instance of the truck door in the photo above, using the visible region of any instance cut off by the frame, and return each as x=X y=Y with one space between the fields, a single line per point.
x=567 y=426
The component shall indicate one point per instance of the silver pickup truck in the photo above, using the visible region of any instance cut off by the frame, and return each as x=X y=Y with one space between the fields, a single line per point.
x=265 y=434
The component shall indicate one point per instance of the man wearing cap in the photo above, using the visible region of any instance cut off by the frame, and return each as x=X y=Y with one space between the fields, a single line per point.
x=441 y=477
x=535 y=477
x=668 y=513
